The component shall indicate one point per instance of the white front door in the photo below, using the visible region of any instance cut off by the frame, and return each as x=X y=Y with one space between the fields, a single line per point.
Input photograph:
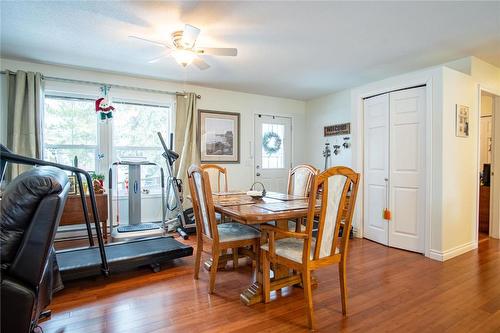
x=407 y=169
x=376 y=170
x=273 y=150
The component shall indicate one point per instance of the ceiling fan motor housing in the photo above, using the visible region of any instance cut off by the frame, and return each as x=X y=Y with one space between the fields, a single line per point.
x=177 y=39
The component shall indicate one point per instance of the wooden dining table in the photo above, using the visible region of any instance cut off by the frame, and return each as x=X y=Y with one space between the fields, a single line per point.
x=277 y=207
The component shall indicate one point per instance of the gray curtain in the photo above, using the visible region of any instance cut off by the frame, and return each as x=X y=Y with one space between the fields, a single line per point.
x=24 y=115
x=186 y=132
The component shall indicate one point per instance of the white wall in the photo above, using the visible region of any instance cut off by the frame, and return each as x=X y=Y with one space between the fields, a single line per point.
x=324 y=111
x=487 y=75
x=240 y=175
x=459 y=176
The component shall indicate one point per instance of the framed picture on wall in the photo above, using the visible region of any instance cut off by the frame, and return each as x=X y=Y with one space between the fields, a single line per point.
x=462 y=121
x=219 y=134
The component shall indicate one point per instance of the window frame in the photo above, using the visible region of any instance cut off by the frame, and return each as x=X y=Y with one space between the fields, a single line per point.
x=105 y=146
x=71 y=97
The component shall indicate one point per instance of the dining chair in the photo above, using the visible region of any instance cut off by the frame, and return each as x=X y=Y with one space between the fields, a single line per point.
x=304 y=253
x=299 y=184
x=221 y=237
x=300 y=178
x=218 y=177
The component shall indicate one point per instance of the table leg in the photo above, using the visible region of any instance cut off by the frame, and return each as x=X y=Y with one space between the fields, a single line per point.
x=253 y=294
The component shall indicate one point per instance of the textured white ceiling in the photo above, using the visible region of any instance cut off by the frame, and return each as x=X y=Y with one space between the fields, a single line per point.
x=291 y=49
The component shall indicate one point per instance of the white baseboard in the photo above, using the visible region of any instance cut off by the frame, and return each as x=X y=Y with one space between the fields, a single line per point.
x=453 y=252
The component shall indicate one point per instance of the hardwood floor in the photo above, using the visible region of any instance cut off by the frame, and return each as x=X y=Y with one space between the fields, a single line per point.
x=389 y=291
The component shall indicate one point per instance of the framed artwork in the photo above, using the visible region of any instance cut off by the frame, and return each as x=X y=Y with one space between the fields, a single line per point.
x=72 y=185
x=462 y=121
x=219 y=135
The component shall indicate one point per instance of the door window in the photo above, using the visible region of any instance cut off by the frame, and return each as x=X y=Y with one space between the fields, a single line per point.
x=272 y=146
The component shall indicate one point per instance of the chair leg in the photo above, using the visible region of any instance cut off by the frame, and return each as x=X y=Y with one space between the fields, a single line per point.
x=197 y=262
x=343 y=285
x=258 y=259
x=235 y=257
x=298 y=225
x=213 y=269
x=254 y=260
x=306 y=281
x=266 y=279
x=223 y=262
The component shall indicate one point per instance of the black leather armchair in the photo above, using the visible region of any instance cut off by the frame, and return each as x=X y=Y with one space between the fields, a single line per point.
x=31 y=207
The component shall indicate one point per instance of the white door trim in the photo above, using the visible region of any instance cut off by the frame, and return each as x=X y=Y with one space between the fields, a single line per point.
x=493 y=229
x=406 y=81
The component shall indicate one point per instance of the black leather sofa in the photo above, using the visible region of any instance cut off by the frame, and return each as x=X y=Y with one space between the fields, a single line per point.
x=31 y=207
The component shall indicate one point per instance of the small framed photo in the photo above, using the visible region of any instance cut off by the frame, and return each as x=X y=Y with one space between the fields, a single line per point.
x=72 y=185
x=462 y=121
x=219 y=134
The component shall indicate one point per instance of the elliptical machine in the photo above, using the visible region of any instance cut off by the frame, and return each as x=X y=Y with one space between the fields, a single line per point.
x=183 y=220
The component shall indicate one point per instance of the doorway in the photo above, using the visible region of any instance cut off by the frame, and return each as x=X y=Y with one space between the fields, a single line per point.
x=489 y=165
x=273 y=151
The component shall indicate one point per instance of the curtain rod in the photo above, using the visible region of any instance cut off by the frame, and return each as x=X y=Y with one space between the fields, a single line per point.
x=58 y=79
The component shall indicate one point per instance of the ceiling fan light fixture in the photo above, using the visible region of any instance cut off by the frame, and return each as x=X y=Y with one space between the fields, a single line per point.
x=183 y=57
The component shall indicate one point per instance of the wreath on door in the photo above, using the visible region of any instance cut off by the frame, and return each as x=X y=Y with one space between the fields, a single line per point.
x=271 y=143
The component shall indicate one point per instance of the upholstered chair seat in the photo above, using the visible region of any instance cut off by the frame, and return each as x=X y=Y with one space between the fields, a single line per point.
x=291 y=248
x=233 y=231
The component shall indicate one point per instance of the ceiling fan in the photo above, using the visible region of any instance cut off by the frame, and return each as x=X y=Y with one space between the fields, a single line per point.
x=183 y=49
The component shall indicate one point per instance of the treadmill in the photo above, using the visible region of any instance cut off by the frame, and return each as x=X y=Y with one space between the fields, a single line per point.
x=103 y=259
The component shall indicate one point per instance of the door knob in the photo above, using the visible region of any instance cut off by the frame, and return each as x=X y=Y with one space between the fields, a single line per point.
x=257 y=174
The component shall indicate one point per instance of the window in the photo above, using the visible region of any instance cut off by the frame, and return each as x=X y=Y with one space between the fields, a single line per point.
x=135 y=128
x=70 y=129
x=272 y=146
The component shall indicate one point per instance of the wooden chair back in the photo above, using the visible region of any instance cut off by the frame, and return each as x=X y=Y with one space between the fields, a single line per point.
x=203 y=206
x=300 y=180
x=218 y=177
x=339 y=189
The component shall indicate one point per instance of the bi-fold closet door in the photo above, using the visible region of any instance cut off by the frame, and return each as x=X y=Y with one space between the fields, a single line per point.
x=394 y=168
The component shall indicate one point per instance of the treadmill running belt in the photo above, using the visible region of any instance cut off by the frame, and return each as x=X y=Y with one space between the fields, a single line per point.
x=85 y=262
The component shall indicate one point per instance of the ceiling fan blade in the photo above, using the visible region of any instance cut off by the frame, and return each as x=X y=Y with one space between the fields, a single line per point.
x=219 y=51
x=154 y=60
x=151 y=41
x=189 y=36
x=200 y=63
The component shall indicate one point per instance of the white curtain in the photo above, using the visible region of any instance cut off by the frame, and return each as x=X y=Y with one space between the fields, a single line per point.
x=186 y=129
x=24 y=115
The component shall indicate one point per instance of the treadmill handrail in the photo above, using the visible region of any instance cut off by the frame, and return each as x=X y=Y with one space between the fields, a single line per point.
x=19 y=159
